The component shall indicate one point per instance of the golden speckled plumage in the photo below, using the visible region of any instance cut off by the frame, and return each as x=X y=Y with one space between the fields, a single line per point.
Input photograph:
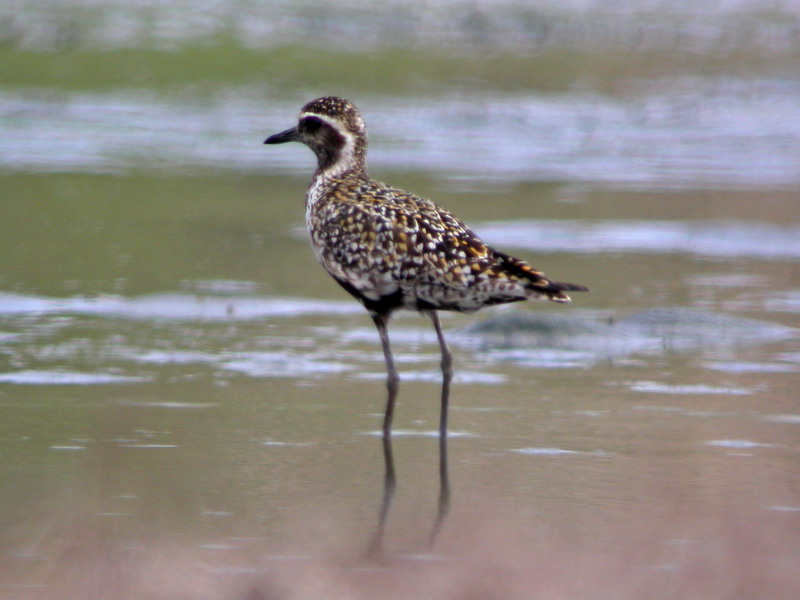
x=398 y=250
x=392 y=249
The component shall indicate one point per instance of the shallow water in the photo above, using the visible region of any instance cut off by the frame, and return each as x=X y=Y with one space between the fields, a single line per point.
x=657 y=134
x=191 y=407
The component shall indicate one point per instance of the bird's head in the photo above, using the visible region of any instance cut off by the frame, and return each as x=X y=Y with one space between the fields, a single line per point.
x=334 y=130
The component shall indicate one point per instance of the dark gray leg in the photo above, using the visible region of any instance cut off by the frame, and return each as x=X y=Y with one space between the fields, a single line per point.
x=447 y=373
x=392 y=377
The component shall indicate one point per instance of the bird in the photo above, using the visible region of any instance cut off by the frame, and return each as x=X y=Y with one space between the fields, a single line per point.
x=394 y=250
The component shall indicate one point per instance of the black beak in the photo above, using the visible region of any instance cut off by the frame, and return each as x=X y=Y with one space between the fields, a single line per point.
x=290 y=135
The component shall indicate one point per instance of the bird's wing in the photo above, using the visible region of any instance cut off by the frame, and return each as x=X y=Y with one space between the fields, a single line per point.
x=388 y=233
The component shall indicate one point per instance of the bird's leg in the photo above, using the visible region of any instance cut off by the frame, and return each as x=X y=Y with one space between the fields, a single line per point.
x=447 y=374
x=392 y=377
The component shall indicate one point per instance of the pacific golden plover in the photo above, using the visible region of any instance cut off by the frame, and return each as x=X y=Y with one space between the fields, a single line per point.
x=394 y=250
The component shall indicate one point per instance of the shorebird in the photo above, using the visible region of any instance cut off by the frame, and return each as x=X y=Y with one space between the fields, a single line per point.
x=395 y=250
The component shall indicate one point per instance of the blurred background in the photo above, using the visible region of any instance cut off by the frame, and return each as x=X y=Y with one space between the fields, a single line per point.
x=189 y=405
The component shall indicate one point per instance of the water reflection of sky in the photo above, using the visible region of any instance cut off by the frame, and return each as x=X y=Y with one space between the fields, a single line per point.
x=142 y=339
x=683 y=133
x=707 y=238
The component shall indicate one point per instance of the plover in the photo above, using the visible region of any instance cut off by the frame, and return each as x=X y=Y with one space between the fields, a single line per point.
x=395 y=250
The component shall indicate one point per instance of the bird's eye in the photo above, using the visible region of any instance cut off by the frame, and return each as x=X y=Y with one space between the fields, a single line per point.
x=310 y=124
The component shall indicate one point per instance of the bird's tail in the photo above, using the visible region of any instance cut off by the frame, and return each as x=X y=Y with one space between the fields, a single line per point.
x=537 y=283
x=555 y=290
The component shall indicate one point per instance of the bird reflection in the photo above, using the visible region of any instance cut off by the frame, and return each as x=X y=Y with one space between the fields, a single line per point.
x=375 y=546
x=444 y=490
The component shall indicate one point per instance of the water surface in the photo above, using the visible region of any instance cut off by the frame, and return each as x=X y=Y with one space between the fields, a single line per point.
x=190 y=406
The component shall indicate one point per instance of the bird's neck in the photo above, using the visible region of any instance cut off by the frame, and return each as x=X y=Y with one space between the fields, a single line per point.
x=346 y=155
x=325 y=180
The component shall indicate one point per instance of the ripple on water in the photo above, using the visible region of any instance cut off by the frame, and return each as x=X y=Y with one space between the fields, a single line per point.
x=544 y=451
x=275 y=443
x=684 y=412
x=792 y=419
x=729 y=280
x=233 y=287
x=738 y=444
x=750 y=367
x=779 y=301
x=172 y=357
x=430 y=433
x=179 y=307
x=792 y=357
x=173 y=405
x=67 y=448
x=546 y=340
x=548 y=137
x=783 y=301
x=467 y=377
x=545 y=358
x=654 y=387
x=713 y=238
x=281 y=364
x=149 y=446
x=35 y=377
